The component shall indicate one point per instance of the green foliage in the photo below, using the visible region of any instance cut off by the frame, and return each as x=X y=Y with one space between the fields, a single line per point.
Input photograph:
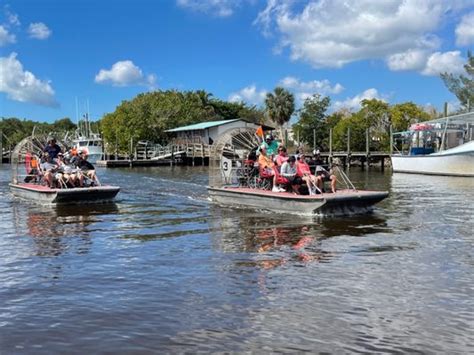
x=405 y=114
x=14 y=129
x=280 y=106
x=462 y=85
x=312 y=121
x=375 y=115
x=149 y=115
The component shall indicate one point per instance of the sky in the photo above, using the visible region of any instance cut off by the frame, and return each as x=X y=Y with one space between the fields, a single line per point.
x=54 y=53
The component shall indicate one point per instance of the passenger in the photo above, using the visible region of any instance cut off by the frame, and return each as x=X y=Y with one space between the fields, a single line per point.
x=317 y=158
x=49 y=169
x=65 y=173
x=304 y=172
x=86 y=168
x=266 y=166
x=271 y=145
x=52 y=148
x=288 y=170
x=281 y=157
x=322 y=173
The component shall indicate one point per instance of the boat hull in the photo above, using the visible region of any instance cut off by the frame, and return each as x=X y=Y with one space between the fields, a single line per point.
x=435 y=164
x=340 y=202
x=43 y=194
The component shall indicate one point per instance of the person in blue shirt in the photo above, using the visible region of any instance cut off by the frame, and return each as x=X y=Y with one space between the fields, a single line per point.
x=52 y=148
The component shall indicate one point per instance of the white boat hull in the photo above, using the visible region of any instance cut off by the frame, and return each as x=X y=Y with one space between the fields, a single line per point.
x=341 y=202
x=435 y=164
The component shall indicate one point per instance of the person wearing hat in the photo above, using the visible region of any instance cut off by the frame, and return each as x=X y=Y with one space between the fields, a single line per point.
x=86 y=168
x=52 y=148
x=271 y=145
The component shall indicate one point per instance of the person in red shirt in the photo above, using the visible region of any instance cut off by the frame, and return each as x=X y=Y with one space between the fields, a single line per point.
x=304 y=172
x=281 y=157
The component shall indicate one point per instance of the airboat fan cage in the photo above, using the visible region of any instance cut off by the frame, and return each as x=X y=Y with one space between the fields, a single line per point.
x=27 y=154
x=228 y=155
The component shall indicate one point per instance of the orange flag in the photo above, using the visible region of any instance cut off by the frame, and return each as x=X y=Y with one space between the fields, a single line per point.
x=259 y=132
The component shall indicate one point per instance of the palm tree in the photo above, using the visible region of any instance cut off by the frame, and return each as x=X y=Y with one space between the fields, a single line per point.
x=280 y=105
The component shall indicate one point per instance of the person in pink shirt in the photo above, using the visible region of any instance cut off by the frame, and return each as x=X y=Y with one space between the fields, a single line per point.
x=303 y=171
x=281 y=157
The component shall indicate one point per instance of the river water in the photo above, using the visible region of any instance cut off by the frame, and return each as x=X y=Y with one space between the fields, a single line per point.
x=164 y=270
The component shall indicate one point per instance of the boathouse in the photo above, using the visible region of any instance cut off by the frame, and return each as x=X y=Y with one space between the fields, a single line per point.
x=207 y=132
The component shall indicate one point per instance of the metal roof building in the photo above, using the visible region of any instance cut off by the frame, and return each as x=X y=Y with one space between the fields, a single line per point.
x=207 y=132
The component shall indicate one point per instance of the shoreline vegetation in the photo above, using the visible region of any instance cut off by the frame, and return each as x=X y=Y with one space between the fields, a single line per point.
x=147 y=116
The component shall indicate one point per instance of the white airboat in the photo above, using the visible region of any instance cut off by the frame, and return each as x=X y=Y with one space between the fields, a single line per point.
x=234 y=181
x=27 y=179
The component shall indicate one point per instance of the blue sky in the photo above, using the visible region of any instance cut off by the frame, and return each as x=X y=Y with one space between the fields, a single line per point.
x=52 y=51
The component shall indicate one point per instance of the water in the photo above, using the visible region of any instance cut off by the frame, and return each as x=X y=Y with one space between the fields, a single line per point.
x=164 y=270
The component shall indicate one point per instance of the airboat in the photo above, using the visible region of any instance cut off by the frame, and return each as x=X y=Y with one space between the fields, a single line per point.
x=27 y=180
x=233 y=182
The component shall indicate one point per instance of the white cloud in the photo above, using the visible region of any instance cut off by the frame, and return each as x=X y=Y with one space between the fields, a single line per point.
x=249 y=95
x=6 y=37
x=21 y=85
x=302 y=90
x=13 y=18
x=124 y=73
x=39 y=30
x=412 y=59
x=220 y=8
x=450 y=62
x=353 y=103
x=465 y=30
x=332 y=33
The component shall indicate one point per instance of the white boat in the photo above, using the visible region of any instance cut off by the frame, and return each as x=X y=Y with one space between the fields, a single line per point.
x=437 y=147
x=234 y=181
x=88 y=141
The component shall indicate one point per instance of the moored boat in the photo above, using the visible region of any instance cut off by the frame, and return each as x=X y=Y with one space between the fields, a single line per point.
x=437 y=147
x=88 y=141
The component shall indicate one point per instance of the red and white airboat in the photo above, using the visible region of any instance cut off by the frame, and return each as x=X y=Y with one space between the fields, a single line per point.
x=28 y=181
x=231 y=183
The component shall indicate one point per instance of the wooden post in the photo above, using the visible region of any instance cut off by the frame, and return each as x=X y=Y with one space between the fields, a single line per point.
x=314 y=138
x=367 y=147
x=286 y=137
x=1 y=147
x=330 y=145
x=131 y=152
x=348 y=140
x=172 y=155
x=391 y=142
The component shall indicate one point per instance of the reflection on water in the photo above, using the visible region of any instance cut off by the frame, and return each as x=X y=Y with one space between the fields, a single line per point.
x=163 y=270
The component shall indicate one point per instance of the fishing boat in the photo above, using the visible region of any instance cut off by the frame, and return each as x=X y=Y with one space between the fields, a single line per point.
x=232 y=183
x=438 y=147
x=88 y=141
x=28 y=179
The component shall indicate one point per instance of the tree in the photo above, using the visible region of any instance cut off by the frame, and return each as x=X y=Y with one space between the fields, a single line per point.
x=311 y=125
x=462 y=85
x=280 y=105
x=149 y=115
x=405 y=114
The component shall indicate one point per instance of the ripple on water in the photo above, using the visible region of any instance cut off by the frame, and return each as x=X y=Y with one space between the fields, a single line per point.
x=164 y=270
